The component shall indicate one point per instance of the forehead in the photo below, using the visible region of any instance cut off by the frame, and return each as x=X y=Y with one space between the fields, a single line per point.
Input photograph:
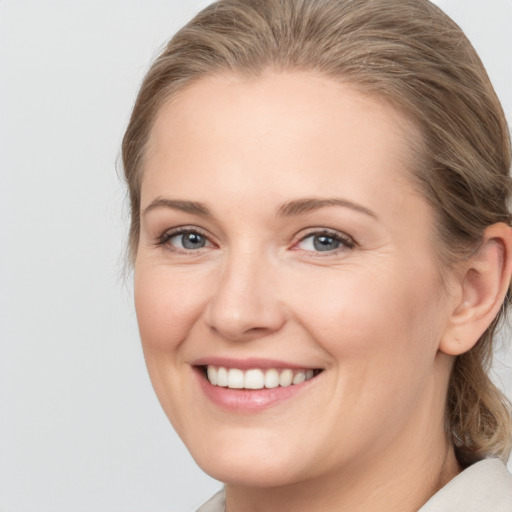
x=219 y=100
x=293 y=130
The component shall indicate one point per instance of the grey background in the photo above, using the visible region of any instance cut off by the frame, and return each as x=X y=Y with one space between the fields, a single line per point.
x=80 y=428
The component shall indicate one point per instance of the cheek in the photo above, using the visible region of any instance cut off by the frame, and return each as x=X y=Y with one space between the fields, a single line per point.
x=370 y=314
x=381 y=332
x=167 y=305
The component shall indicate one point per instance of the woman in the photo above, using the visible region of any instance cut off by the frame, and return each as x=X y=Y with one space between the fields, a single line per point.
x=322 y=253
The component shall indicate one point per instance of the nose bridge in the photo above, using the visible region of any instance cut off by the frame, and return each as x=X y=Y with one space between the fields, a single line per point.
x=244 y=304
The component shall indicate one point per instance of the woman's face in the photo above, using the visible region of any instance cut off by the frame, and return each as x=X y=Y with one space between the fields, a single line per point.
x=282 y=241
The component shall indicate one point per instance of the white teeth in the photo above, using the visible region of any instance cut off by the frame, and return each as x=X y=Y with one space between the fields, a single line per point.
x=286 y=378
x=299 y=377
x=222 y=377
x=256 y=378
x=212 y=375
x=235 y=378
x=271 y=379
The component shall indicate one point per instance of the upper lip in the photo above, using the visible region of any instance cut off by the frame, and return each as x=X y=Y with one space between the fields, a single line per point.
x=249 y=363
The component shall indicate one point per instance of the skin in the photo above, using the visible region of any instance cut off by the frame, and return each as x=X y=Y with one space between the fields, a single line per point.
x=366 y=434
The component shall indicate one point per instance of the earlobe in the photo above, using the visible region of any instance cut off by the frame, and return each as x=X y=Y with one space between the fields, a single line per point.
x=483 y=285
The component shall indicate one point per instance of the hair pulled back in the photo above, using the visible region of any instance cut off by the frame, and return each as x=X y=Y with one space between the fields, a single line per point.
x=409 y=53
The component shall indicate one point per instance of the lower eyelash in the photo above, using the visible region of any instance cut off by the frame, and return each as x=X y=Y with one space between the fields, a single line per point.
x=346 y=241
x=164 y=238
x=167 y=235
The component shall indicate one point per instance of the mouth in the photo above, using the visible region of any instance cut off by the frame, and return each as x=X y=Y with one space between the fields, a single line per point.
x=256 y=378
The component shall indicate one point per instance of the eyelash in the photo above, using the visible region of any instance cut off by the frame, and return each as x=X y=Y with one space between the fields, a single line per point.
x=346 y=242
x=164 y=239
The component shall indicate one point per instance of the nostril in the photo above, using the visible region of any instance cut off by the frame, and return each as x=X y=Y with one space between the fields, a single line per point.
x=234 y=332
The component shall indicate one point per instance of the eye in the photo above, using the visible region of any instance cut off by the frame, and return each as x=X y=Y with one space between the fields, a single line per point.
x=185 y=240
x=189 y=240
x=324 y=242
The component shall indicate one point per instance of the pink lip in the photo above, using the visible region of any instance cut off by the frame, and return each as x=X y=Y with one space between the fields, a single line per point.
x=247 y=364
x=249 y=400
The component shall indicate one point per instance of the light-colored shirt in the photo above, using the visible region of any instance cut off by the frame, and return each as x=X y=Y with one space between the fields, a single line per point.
x=486 y=486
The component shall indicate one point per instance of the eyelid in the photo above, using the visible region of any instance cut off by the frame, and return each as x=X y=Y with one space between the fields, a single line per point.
x=347 y=241
x=163 y=239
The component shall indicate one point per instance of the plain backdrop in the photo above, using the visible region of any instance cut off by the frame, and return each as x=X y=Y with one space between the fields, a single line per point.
x=80 y=427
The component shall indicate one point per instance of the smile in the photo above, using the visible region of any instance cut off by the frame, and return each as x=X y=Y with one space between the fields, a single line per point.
x=256 y=378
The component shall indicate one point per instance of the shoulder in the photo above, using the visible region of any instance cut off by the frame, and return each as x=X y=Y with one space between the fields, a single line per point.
x=216 y=503
x=486 y=485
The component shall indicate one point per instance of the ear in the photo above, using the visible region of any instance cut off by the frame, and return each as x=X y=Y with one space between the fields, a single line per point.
x=482 y=286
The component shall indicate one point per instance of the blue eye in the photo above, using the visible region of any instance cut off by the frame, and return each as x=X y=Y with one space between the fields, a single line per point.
x=324 y=242
x=187 y=240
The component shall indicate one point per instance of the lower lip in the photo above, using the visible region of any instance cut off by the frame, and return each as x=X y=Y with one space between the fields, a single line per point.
x=249 y=400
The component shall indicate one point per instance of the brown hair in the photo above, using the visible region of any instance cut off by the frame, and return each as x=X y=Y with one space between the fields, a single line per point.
x=411 y=54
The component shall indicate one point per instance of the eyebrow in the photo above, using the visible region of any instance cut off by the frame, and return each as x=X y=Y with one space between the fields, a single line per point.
x=288 y=209
x=301 y=206
x=191 y=207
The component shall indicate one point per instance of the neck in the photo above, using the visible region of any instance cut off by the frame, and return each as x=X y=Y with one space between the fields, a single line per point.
x=403 y=484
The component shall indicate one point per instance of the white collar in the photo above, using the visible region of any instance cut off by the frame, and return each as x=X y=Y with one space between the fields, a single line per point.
x=484 y=486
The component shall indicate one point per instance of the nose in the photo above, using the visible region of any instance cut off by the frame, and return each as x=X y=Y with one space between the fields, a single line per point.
x=244 y=304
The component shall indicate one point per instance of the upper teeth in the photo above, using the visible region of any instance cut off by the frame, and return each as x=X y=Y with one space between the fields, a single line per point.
x=256 y=378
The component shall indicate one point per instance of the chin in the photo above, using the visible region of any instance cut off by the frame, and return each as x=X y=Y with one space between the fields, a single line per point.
x=249 y=472
x=249 y=464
